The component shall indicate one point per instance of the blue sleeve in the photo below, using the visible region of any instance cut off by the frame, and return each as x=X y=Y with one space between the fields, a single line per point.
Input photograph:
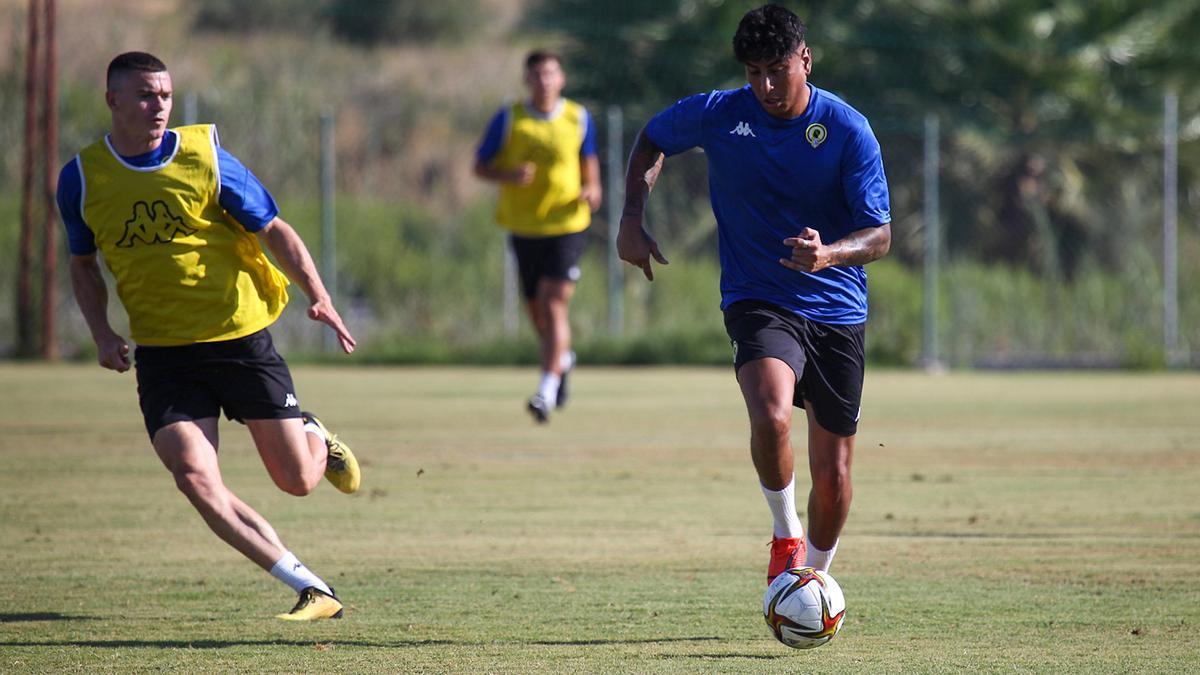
x=242 y=195
x=679 y=127
x=80 y=239
x=493 y=138
x=864 y=183
x=589 y=136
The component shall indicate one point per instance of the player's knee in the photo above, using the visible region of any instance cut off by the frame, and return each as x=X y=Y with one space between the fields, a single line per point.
x=201 y=489
x=299 y=480
x=296 y=485
x=772 y=423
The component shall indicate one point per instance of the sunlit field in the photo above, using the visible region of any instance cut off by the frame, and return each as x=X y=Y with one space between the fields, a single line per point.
x=1002 y=522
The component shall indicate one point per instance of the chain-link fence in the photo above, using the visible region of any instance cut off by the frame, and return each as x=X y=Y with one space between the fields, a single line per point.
x=1053 y=244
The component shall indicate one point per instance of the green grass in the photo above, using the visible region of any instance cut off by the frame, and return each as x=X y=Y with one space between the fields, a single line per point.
x=1001 y=523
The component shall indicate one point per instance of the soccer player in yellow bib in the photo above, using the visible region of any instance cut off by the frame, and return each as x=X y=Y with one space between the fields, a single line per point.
x=542 y=152
x=179 y=221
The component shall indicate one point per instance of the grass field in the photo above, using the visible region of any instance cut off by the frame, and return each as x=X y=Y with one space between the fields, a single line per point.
x=1002 y=522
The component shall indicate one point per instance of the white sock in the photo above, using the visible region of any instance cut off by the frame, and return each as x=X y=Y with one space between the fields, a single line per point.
x=567 y=361
x=548 y=389
x=292 y=572
x=312 y=428
x=783 y=509
x=818 y=559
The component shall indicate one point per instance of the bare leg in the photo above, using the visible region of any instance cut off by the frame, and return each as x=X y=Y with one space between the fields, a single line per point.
x=829 y=457
x=538 y=319
x=189 y=451
x=768 y=386
x=295 y=459
x=554 y=337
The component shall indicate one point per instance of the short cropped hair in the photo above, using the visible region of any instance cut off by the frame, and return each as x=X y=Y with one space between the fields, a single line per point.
x=133 y=62
x=767 y=34
x=539 y=56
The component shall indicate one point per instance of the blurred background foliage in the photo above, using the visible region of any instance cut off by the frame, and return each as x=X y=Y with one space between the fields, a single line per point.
x=1051 y=149
x=362 y=22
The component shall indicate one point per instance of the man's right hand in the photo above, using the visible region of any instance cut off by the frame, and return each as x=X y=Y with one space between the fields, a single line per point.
x=113 y=353
x=635 y=245
x=523 y=174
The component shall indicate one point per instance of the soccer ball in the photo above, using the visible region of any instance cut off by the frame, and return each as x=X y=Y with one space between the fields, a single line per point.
x=804 y=607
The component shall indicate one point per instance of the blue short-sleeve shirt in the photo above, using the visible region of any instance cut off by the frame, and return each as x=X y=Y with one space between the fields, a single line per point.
x=771 y=178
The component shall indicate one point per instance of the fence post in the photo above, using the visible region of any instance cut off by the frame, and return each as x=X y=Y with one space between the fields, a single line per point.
x=1171 y=229
x=328 y=223
x=191 y=108
x=511 y=311
x=932 y=240
x=616 y=198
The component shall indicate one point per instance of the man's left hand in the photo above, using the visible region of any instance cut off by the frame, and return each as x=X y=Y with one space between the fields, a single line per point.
x=323 y=311
x=591 y=195
x=808 y=253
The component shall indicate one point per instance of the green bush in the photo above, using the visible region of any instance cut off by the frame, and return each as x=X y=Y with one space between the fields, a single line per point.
x=248 y=17
x=894 y=320
x=390 y=21
x=364 y=22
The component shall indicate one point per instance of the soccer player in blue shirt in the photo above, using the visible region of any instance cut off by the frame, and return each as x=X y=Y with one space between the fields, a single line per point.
x=801 y=201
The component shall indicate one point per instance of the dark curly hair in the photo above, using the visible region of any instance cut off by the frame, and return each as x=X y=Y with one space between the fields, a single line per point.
x=767 y=34
x=537 y=57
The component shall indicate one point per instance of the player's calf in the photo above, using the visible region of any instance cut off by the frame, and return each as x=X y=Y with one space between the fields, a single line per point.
x=341 y=467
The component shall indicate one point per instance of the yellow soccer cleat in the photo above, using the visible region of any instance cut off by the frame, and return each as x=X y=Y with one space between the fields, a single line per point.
x=341 y=468
x=314 y=604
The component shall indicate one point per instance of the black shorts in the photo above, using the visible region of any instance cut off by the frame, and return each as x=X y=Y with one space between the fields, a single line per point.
x=246 y=377
x=547 y=257
x=828 y=359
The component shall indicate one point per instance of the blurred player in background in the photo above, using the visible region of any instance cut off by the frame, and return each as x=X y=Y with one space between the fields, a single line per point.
x=179 y=222
x=542 y=152
x=801 y=201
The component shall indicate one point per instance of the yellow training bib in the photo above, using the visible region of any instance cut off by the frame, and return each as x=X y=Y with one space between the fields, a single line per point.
x=550 y=205
x=185 y=270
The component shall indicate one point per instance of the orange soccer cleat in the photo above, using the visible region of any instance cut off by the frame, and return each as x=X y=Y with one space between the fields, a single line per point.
x=786 y=554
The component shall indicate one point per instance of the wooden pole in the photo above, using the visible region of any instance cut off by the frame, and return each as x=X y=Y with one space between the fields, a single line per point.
x=50 y=184
x=25 y=317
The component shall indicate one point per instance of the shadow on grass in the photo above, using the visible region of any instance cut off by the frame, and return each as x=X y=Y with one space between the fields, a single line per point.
x=716 y=657
x=42 y=616
x=589 y=643
x=215 y=644
x=225 y=644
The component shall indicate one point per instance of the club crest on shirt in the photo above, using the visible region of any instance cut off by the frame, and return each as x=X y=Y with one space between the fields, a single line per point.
x=815 y=134
x=153 y=224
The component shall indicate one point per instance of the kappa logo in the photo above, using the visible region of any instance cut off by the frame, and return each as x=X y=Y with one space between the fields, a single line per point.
x=290 y=401
x=743 y=129
x=153 y=224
